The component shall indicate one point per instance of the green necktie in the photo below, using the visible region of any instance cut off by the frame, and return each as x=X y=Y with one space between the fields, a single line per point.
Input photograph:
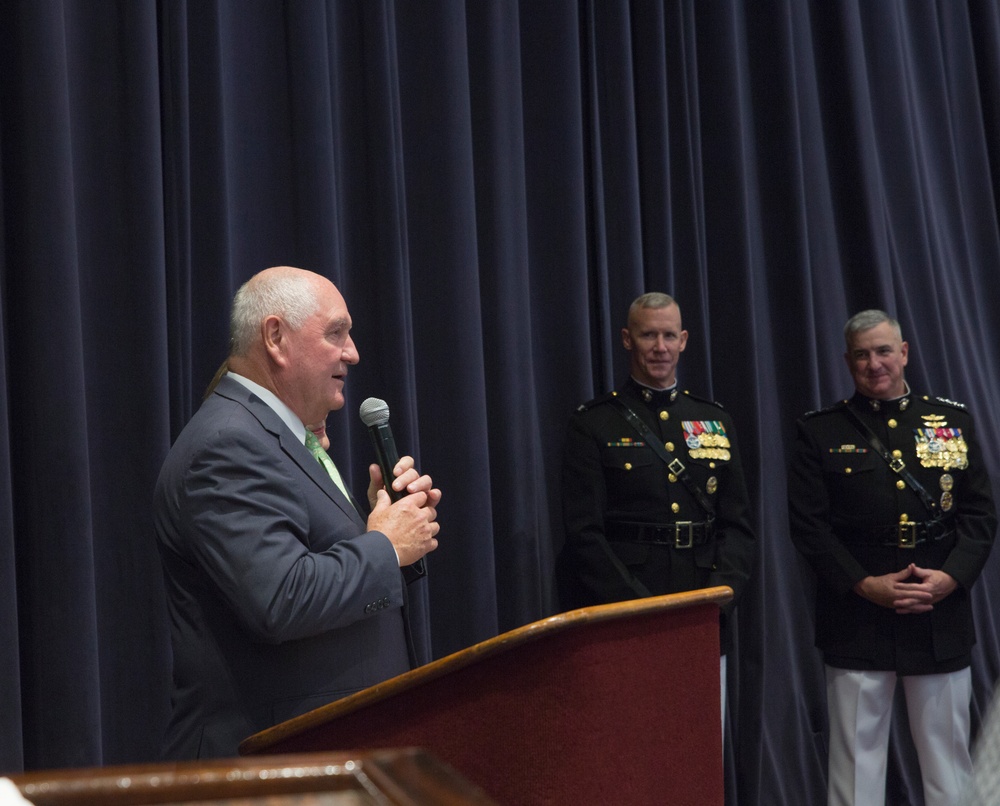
x=312 y=443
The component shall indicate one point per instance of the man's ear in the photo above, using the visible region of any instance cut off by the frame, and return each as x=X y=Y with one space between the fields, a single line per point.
x=626 y=338
x=273 y=336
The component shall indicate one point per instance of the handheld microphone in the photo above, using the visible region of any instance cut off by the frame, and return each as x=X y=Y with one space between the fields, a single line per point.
x=375 y=415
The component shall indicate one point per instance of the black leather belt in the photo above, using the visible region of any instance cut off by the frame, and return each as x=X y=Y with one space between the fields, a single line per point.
x=908 y=535
x=679 y=535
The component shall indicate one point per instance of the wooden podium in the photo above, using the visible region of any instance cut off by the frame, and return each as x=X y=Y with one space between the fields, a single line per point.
x=403 y=777
x=616 y=703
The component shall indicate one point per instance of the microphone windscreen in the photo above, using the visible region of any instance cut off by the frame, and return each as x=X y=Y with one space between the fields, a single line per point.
x=374 y=412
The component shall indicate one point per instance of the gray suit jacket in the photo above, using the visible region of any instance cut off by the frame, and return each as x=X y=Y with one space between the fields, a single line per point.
x=279 y=599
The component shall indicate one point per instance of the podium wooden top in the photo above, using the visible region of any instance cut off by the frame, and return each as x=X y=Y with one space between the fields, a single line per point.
x=573 y=619
x=403 y=777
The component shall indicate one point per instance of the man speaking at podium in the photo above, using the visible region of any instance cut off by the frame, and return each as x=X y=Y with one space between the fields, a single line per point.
x=281 y=597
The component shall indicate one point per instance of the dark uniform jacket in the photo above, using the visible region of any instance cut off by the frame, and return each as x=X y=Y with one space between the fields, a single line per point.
x=629 y=520
x=846 y=504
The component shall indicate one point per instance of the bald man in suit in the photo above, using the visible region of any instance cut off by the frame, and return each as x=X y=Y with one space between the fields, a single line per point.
x=282 y=596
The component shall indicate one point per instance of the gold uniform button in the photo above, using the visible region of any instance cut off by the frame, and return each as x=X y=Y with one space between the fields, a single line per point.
x=675 y=508
x=847 y=470
x=904 y=518
x=897 y=454
x=672 y=478
x=628 y=465
x=900 y=485
x=669 y=446
x=892 y=423
x=664 y=415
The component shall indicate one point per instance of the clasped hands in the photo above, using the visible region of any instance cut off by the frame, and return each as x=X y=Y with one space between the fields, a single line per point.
x=911 y=590
x=411 y=522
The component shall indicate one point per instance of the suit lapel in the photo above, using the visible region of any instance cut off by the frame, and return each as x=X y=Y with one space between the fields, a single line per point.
x=299 y=454
x=290 y=446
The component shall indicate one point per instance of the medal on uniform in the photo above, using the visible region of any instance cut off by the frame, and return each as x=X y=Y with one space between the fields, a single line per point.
x=946 y=501
x=939 y=446
x=711 y=485
x=947 y=482
x=706 y=439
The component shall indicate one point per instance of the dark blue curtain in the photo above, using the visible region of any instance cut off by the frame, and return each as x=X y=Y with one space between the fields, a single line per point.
x=489 y=184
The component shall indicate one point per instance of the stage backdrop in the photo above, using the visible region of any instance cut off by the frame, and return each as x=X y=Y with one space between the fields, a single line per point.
x=490 y=184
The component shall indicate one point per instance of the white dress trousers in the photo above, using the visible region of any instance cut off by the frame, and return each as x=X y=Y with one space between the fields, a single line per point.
x=860 y=711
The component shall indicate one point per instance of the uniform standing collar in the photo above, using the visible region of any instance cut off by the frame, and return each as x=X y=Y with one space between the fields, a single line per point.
x=652 y=397
x=901 y=403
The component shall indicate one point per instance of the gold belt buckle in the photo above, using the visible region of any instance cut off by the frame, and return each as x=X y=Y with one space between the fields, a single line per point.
x=906 y=534
x=683 y=540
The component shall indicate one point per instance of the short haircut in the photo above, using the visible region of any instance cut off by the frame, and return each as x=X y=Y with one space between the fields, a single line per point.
x=866 y=320
x=290 y=296
x=653 y=299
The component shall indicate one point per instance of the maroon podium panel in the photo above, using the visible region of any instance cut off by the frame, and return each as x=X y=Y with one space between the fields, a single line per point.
x=609 y=704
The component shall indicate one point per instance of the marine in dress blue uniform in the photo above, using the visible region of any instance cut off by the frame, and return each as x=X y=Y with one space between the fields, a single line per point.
x=891 y=505
x=635 y=526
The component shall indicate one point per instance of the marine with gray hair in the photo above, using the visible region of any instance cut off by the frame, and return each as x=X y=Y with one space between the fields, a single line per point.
x=891 y=505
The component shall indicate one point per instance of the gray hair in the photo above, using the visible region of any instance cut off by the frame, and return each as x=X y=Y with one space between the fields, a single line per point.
x=654 y=299
x=866 y=320
x=291 y=296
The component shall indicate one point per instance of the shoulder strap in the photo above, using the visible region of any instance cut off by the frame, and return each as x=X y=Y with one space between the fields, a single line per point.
x=898 y=465
x=676 y=465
